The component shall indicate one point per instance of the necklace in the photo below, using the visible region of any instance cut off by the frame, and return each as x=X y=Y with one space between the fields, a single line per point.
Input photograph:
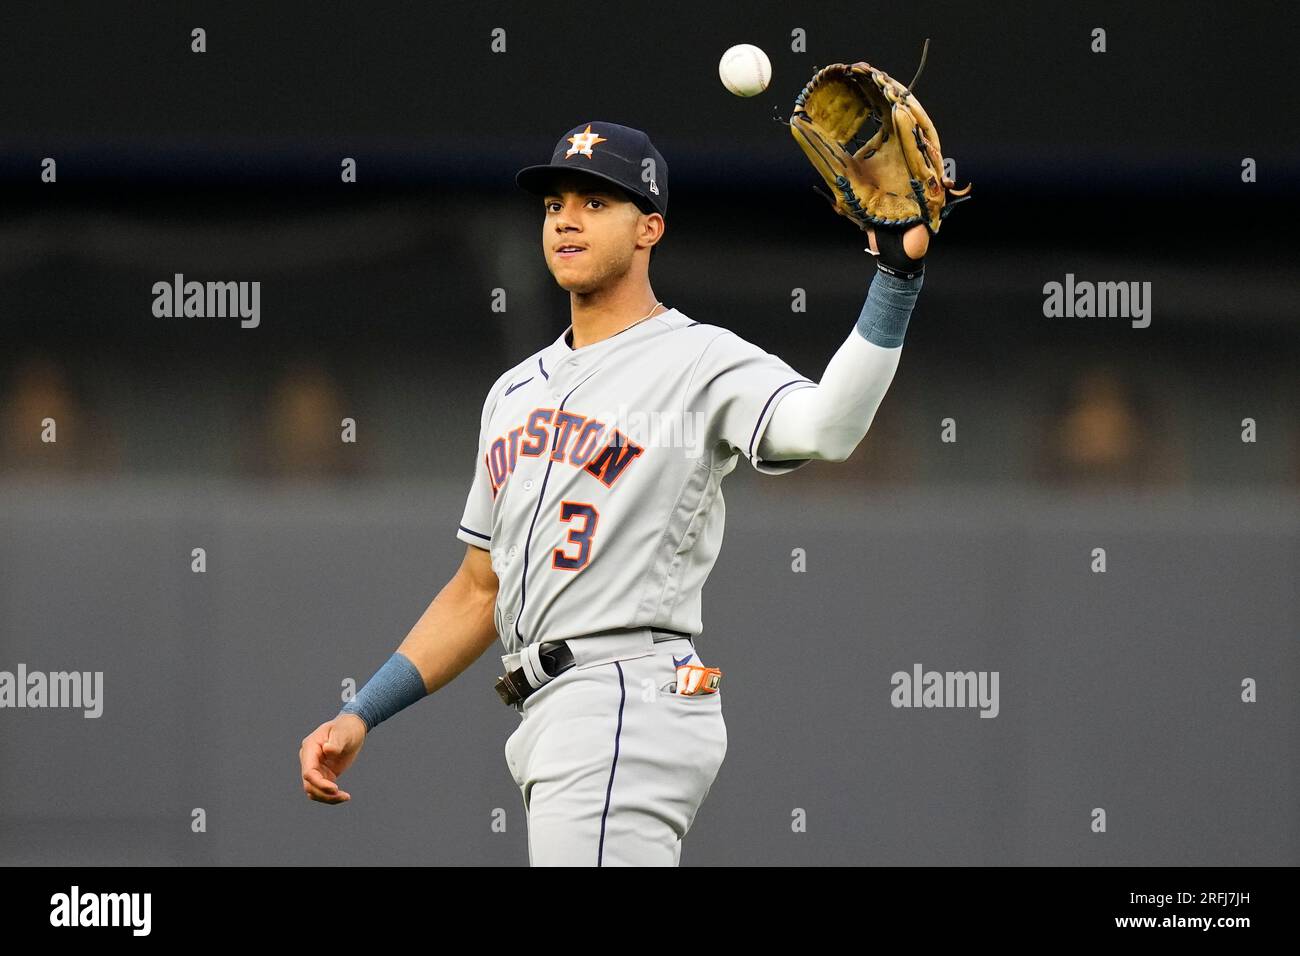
x=568 y=335
x=643 y=318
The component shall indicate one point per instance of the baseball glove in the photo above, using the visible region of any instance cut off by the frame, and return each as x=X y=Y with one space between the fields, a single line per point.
x=874 y=145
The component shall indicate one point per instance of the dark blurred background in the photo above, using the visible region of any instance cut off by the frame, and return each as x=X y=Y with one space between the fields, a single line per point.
x=377 y=296
x=376 y=305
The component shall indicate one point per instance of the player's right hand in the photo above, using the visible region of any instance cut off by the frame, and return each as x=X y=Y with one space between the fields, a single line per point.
x=326 y=752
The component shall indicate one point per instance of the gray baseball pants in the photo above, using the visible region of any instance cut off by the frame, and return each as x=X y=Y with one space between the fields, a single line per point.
x=613 y=765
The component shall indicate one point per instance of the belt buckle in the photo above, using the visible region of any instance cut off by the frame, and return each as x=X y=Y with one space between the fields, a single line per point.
x=513 y=687
x=508 y=690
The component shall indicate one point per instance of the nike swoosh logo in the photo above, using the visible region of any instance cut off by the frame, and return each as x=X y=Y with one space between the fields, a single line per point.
x=518 y=385
x=683 y=661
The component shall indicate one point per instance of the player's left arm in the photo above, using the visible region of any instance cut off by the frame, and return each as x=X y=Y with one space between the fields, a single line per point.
x=829 y=421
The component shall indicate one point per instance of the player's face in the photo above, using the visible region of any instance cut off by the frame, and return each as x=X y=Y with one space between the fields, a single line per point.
x=600 y=222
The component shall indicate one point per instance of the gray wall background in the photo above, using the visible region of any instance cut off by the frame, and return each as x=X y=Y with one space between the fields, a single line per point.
x=1117 y=690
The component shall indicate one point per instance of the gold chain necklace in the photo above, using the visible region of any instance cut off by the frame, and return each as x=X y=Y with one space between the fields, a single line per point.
x=643 y=318
x=569 y=333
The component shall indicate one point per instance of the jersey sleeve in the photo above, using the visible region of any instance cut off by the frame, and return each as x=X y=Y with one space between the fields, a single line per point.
x=476 y=520
x=737 y=386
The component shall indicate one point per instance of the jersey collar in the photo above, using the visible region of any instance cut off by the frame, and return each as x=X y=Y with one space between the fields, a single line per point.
x=561 y=349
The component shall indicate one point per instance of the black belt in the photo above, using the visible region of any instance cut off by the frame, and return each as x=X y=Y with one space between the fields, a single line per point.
x=556 y=658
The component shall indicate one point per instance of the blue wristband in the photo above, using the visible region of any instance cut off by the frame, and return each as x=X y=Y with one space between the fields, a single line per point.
x=396 y=685
x=888 y=308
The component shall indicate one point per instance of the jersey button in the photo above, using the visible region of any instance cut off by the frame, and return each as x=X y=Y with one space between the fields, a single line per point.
x=514 y=551
x=528 y=485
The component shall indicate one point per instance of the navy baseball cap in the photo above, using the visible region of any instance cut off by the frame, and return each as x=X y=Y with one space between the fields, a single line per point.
x=613 y=153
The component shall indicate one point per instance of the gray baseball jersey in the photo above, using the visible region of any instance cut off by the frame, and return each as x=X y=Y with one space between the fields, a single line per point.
x=598 y=483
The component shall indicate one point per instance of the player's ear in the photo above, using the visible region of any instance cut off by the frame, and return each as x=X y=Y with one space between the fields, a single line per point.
x=655 y=223
x=649 y=230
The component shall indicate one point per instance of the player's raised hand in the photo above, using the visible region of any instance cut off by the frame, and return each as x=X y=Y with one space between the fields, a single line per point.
x=326 y=752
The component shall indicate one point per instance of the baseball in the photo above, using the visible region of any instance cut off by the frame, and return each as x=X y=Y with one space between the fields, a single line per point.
x=745 y=70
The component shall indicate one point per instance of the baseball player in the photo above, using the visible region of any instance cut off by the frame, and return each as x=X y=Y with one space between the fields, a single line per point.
x=596 y=513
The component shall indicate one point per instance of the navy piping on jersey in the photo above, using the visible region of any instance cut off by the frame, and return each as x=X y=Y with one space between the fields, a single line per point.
x=528 y=543
x=542 y=368
x=609 y=787
x=754 y=437
x=475 y=533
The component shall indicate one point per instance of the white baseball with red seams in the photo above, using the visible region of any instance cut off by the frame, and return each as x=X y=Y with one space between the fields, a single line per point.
x=745 y=70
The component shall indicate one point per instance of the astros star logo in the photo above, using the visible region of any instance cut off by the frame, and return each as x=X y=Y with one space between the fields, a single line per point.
x=583 y=142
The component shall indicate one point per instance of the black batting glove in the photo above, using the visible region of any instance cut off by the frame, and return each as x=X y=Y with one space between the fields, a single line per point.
x=891 y=257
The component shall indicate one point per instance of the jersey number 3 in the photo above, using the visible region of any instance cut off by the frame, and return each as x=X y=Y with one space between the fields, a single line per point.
x=578 y=534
